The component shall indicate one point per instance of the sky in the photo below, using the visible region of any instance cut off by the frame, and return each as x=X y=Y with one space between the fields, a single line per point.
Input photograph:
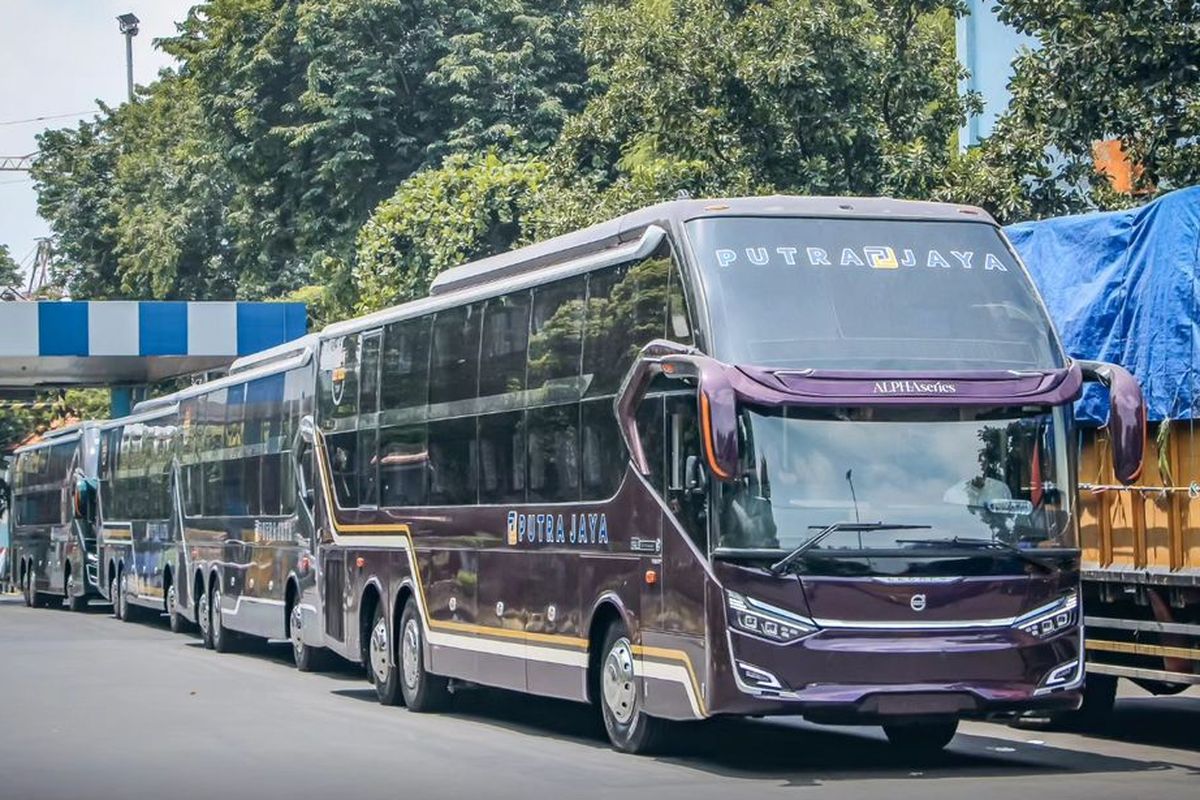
x=60 y=57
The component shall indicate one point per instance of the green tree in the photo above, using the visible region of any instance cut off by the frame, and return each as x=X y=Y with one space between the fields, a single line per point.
x=813 y=96
x=10 y=270
x=1124 y=70
x=467 y=209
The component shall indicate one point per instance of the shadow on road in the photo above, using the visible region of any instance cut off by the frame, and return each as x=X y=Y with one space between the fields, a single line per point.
x=790 y=750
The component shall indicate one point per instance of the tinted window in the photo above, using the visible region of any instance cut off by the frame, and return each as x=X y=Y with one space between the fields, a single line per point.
x=556 y=336
x=626 y=309
x=343 y=463
x=502 y=458
x=505 y=344
x=602 y=450
x=339 y=378
x=403 y=466
x=406 y=363
x=869 y=294
x=452 y=462
x=368 y=402
x=454 y=368
x=553 y=435
x=368 y=466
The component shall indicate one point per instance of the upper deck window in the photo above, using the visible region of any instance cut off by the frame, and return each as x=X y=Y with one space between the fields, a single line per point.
x=869 y=294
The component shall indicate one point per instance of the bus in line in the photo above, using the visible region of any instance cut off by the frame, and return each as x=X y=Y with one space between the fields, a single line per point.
x=759 y=456
x=52 y=518
x=199 y=501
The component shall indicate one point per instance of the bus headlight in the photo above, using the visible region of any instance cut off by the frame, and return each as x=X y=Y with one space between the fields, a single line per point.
x=766 y=621
x=1051 y=620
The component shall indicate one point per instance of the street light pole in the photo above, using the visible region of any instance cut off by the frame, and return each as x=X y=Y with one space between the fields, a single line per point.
x=129 y=28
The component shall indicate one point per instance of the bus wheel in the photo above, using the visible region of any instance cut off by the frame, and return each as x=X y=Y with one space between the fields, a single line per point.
x=114 y=597
x=1099 y=697
x=205 y=619
x=629 y=728
x=222 y=639
x=422 y=692
x=124 y=610
x=27 y=588
x=382 y=662
x=307 y=657
x=173 y=616
x=921 y=738
x=75 y=602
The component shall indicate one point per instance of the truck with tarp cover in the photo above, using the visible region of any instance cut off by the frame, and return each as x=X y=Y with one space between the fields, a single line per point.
x=1123 y=287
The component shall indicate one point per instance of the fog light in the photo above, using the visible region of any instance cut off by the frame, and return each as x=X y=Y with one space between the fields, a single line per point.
x=756 y=677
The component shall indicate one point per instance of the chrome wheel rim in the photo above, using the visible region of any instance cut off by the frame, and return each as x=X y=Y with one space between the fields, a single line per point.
x=203 y=614
x=411 y=654
x=121 y=594
x=216 y=615
x=114 y=595
x=379 y=652
x=70 y=587
x=172 y=601
x=297 y=619
x=618 y=682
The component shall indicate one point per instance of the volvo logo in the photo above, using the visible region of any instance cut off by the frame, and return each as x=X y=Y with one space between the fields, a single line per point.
x=917 y=602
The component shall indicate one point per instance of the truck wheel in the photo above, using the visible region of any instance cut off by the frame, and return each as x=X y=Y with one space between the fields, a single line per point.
x=629 y=728
x=921 y=738
x=306 y=657
x=381 y=661
x=1099 y=697
x=422 y=691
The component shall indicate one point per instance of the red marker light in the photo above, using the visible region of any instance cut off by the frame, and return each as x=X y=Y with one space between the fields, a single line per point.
x=651 y=577
x=360 y=562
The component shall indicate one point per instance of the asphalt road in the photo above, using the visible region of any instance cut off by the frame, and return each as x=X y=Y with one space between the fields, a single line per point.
x=95 y=709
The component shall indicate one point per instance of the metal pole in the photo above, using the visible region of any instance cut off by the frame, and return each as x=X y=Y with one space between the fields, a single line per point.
x=129 y=64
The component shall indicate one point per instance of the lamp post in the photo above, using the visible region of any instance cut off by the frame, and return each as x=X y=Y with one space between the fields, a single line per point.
x=129 y=28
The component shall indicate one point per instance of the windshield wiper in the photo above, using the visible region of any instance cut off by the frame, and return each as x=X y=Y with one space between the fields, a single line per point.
x=969 y=543
x=783 y=563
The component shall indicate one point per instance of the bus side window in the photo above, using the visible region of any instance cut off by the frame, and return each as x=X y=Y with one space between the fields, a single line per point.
x=687 y=478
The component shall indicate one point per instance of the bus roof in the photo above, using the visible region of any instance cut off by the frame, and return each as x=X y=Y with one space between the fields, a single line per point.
x=52 y=437
x=279 y=352
x=614 y=236
x=251 y=372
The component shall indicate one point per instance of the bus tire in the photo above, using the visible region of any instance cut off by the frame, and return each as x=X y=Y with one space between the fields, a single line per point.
x=422 y=691
x=204 y=616
x=27 y=587
x=629 y=728
x=114 y=595
x=381 y=661
x=125 y=612
x=306 y=657
x=174 y=618
x=921 y=738
x=222 y=637
x=76 y=601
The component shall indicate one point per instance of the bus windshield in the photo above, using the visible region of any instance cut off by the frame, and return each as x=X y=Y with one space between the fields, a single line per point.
x=869 y=294
x=996 y=476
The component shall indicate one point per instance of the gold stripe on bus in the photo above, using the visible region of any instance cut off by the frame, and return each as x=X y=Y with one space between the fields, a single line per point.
x=1144 y=649
x=677 y=656
x=403 y=529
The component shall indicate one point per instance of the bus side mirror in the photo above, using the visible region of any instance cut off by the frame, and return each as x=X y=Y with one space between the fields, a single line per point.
x=1126 y=417
x=715 y=396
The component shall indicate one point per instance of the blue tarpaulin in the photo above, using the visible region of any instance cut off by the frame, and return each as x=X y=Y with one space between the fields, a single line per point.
x=1122 y=286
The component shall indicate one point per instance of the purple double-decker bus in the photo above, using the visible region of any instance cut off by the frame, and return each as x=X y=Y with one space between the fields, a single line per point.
x=781 y=455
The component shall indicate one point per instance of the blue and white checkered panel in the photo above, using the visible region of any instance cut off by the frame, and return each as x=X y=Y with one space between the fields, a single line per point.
x=134 y=328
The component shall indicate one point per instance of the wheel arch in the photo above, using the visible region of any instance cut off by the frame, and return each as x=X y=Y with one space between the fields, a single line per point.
x=606 y=610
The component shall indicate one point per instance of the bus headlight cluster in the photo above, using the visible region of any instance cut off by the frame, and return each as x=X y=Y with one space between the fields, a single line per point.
x=1050 y=620
x=766 y=621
